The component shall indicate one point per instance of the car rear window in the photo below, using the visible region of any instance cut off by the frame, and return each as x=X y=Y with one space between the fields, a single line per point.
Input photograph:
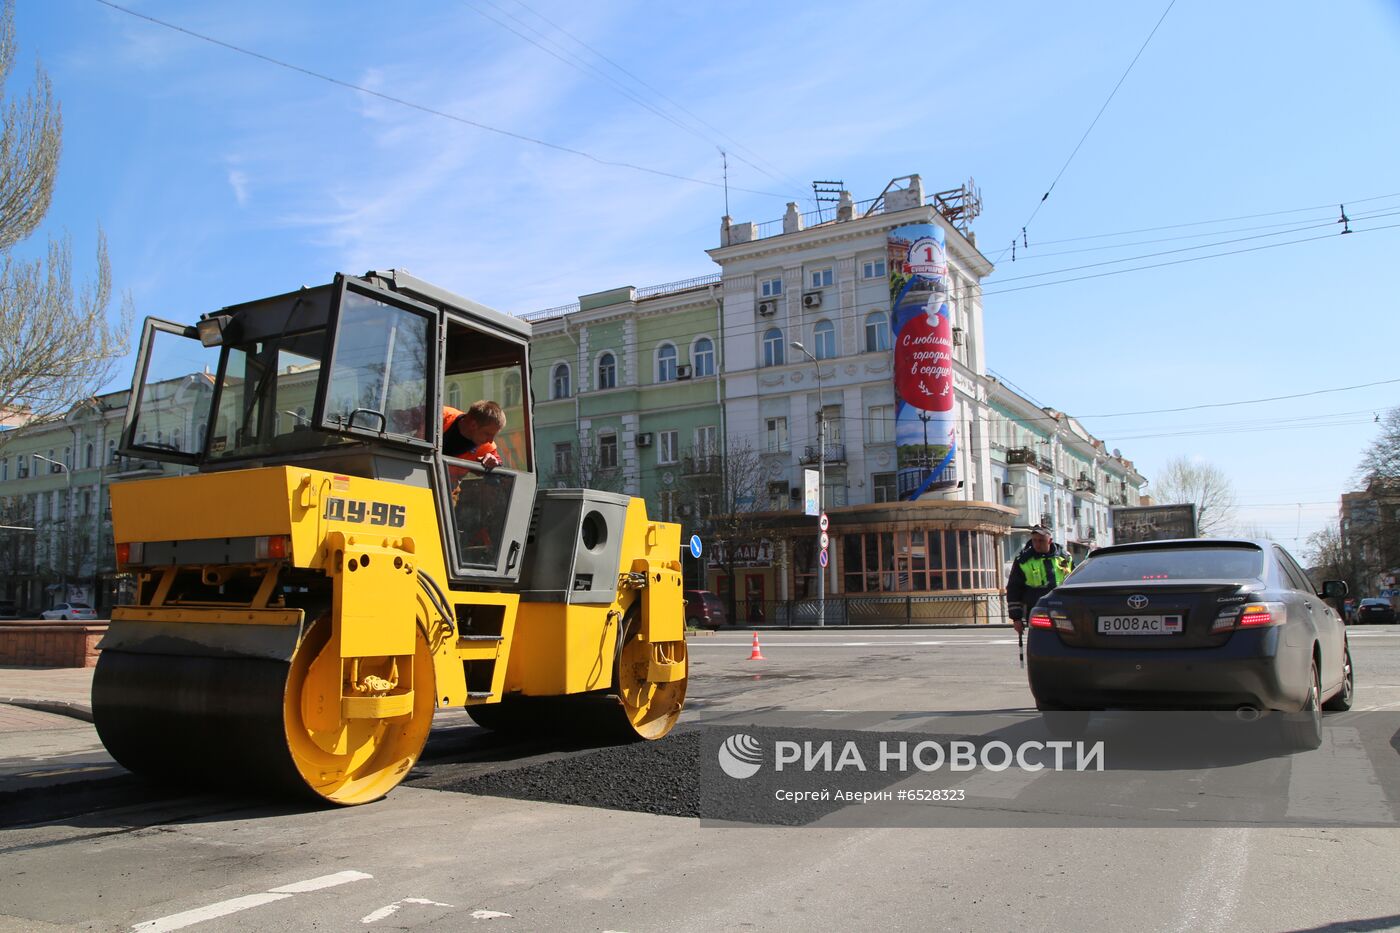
x=79 y=606
x=1196 y=563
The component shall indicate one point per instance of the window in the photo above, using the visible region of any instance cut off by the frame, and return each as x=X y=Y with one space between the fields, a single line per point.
x=884 y=488
x=68 y=457
x=607 y=371
x=512 y=392
x=879 y=426
x=564 y=458
x=21 y=467
x=87 y=459
x=706 y=440
x=702 y=357
x=779 y=497
x=773 y=347
x=820 y=278
x=777 y=434
x=607 y=451
x=669 y=447
x=560 y=381
x=454 y=395
x=666 y=363
x=824 y=337
x=877 y=332
x=873 y=269
x=668 y=499
x=921 y=560
x=771 y=288
x=4 y=469
x=87 y=502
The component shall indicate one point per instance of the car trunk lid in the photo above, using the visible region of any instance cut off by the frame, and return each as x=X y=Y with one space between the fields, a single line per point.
x=1145 y=615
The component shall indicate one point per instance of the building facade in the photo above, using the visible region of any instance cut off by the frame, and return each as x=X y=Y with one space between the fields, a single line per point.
x=799 y=324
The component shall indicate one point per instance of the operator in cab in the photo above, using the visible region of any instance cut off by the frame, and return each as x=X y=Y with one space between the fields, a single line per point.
x=1041 y=566
x=471 y=434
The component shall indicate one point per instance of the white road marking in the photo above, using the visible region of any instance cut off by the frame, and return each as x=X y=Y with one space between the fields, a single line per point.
x=211 y=912
x=388 y=910
x=234 y=905
x=1209 y=897
x=1336 y=781
x=487 y=914
x=325 y=881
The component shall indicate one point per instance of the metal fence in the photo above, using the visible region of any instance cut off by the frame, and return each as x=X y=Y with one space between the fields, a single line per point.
x=912 y=609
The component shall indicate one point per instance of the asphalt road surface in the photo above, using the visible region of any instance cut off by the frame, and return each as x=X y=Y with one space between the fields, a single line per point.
x=476 y=840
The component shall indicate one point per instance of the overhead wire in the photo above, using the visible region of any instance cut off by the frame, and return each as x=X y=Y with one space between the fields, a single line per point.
x=639 y=81
x=1094 y=122
x=432 y=111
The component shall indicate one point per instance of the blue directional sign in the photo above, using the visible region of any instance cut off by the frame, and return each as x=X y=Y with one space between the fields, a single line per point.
x=695 y=546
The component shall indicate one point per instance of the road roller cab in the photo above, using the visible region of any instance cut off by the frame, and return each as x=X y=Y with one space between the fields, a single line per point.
x=326 y=578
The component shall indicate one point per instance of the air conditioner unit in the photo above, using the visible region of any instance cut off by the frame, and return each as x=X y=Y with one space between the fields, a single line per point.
x=812 y=300
x=683 y=371
x=795 y=494
x=644 y=439
x=767 y=308
x=1007 y=490
x=957 y=336
x=683 y=511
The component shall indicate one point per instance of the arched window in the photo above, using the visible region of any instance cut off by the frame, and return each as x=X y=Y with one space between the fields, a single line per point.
x=666 y=362
x=824 y=337
x=607 y=371
x=454 y=395
x=773 y=347
x=512 y=390
x=88 y=460
x=560 y=381
x=877 y=331
x=702 y=357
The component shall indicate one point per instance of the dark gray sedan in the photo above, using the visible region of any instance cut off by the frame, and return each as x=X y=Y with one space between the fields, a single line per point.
x=1198 y=623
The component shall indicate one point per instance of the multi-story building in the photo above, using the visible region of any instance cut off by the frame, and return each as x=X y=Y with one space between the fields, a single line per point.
x=56 y=543
x=798 y=324
x=1370 y=529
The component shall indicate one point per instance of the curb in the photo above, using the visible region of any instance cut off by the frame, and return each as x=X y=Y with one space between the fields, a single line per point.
x=59 y=707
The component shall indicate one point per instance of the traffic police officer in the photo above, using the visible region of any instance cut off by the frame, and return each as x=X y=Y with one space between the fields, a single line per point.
x=1041 y=566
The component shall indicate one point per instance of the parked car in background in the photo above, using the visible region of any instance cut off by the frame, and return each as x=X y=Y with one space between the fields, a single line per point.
x=1200 y=623
x=704 y=609
x=8 y=610
x=1374 y=611
x=70 y=612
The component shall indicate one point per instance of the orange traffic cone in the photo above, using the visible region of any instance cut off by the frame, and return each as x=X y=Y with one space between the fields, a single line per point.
x=757 y=653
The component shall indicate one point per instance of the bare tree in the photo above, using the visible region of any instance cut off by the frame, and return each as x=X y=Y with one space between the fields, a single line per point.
x=1328 y=558
x=1204 y=484
x=726 y=502
x=57 y=345
x=585 y=469
x=1381 y=461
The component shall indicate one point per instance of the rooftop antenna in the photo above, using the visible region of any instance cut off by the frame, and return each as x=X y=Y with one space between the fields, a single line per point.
x=826 y=191
x=724 y=158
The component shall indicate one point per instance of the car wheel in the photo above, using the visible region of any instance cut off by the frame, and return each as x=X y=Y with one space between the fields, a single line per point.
x=1342 y=701
x=1303 y=730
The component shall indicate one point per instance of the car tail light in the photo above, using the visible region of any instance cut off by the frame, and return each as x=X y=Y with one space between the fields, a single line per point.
x=272 y=547
x=1250 y=615
x=1041 y=619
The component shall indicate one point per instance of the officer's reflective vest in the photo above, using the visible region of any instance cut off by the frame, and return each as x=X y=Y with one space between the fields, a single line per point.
x=1033 y=569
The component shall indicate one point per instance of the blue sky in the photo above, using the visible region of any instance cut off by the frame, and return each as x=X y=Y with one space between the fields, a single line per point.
x=219 y=177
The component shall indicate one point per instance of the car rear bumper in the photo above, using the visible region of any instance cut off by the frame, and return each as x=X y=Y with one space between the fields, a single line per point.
x=1251 y=669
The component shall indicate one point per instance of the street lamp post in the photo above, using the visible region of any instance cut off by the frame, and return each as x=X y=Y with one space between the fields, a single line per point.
x=67 y=505
x=821 y=481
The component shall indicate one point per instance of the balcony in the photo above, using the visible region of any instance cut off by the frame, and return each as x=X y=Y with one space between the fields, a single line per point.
x=701 y=465
x=1021 y=455
x=1085 y=484
x=834 y=453
x=132 y=466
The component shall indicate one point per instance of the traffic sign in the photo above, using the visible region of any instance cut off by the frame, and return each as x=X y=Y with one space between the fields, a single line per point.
x=824 y=523
x=824 y=558
x=826 y=541
x=695 y=548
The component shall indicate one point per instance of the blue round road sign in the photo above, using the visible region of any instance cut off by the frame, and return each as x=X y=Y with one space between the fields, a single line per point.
x=695 y=546
x=824 y=558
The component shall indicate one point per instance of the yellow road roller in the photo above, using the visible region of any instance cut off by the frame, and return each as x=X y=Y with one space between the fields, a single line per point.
x=323 y=576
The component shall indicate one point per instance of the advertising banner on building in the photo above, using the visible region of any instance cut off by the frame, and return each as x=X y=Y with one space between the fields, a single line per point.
x=921 y=312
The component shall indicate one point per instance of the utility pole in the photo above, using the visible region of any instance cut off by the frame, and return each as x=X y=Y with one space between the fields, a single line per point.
x=821 y=480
